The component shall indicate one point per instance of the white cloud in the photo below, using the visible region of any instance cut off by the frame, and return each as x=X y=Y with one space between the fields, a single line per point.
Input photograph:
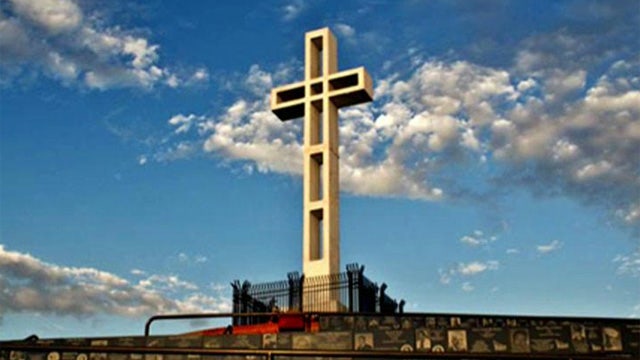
x=512 y=251
x=201 y=75
x=476 y=267
x=527 y=84
x=292 y=10
x=629 y=264
x=195 y=259
x=59 y=40
x=467 y=287
x=344 y=30
x=166 y=284
x=177 y=151
x=470 y=240
x=138 y=272
x=195 y=303
x=446 y=276
x=54 y=16
x=466 y=270
x=548 y=248
x=477 y=238
x=218 y=287
x=31 y=285
x=258 y=81
x=458 y=130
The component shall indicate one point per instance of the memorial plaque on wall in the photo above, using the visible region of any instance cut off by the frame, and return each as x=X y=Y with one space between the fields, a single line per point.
x=594 y=337
x=215 y=357
x=430 y=340
x=428 y=321
x=243 y=341
x=284 y=341
x=75 y=342
x=547 y=337
x=336 y=323
x=269 y=341
x=213 y=342
x=131 y=341
x=363 y=341
x=632 y=338
x=578 y=338
x=396 y=340
x=37 y=356
x=336 y=340
x=301 y=341
x=62 y=342
x=457 y=322
x=153 y=357
x=155 y=341
x=457 y=340
x=373 y=322
x=96 y=354
x=522 y=340
x=488 y=339
x=184 y=341
x=67 y=355
x=410 y=323
x=389 y=323
x=611 y=338
x=111 y=356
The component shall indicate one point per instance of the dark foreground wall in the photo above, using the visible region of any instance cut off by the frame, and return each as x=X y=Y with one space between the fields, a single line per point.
x=368 y=336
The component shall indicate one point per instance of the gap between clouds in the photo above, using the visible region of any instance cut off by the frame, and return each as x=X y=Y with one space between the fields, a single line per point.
x=29 y=284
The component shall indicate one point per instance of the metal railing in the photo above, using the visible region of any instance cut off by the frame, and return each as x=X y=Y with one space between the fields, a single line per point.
x=349 y=291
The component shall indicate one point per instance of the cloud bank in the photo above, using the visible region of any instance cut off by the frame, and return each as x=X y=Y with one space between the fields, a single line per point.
x=58 y=39
x=458 y=130
x=560 y=119
x=28 y=284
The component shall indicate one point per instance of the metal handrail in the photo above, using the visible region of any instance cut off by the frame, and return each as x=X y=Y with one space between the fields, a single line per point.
x=147 y=326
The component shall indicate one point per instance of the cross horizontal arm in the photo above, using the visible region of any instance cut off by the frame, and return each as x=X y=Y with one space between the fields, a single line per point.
x=287 y=102
x=345 y=88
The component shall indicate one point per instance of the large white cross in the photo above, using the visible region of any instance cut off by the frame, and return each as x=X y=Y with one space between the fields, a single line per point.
x=318 y=98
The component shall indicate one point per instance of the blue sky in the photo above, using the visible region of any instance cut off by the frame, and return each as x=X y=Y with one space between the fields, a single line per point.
x=141 y=171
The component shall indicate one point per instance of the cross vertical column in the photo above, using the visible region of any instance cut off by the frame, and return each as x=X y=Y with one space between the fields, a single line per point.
x=318 y=98
x=321 y=243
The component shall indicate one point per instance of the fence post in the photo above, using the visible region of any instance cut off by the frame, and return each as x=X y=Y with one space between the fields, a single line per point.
x=236 y=300
x=301 y=293
x=355 y=285
x=245 y=300
x=350 y=287
x=364 y=295
x=295 y=295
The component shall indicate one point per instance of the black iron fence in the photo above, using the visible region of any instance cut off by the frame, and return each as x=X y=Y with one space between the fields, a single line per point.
x=349 y=291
